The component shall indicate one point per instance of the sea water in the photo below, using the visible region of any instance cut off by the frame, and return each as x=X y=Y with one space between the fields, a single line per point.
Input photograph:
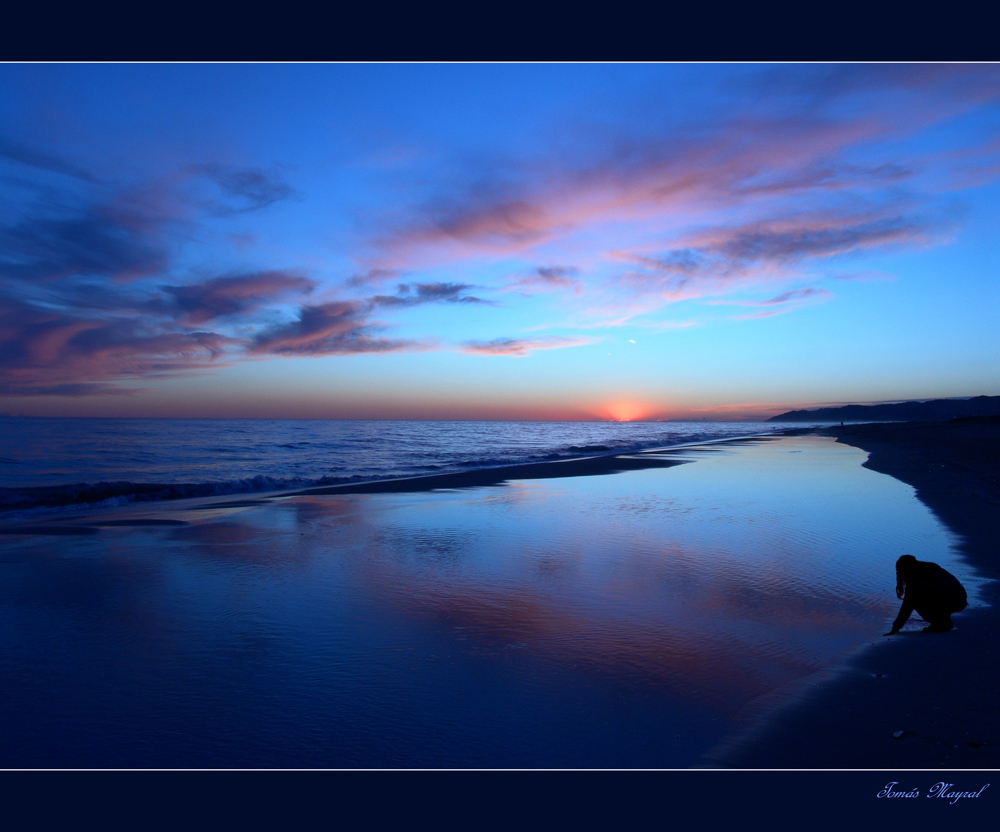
x=118 y=461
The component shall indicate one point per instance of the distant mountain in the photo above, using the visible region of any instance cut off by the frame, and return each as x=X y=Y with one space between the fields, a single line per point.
x=936 y=410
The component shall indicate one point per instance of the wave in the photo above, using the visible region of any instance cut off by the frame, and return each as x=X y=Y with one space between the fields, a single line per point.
x=112 y=494
x=362 y=466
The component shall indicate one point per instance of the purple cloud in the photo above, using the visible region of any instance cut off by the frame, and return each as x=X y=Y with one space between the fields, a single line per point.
x=372 y=277
x=490 y=223
x=344 y=327
x=25 y=155
x=242 y=190
x=522 y=346
x=57 y=352
x=78 y=311
x=548 y=279
x=329 y=329
x=796 y=295
x=791 y=296
x=419 y=293
x=87 y=242
x=718 y=260
x=789 y=143
x=778 y=242
x=236 y=294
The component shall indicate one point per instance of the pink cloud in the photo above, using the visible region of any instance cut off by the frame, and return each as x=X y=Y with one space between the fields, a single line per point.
x=739 y=161
x=523 y=346
x=865 y=277
x=548 y=279
x=717 y=261
x=47 y=352
x=791 y=296
x=798 y=160
x=236 y=294
x=340 y=327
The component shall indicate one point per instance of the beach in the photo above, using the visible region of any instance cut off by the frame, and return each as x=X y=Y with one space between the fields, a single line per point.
x=703 y=606
x=915 y=700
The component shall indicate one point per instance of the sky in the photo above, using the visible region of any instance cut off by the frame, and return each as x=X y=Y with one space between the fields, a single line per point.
x=496 y=241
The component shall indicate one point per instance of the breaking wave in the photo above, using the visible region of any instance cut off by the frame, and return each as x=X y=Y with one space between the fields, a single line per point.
x=53 y=464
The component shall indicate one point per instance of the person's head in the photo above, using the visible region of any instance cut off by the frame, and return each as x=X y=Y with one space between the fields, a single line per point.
x=904 y=565
x=903 y=568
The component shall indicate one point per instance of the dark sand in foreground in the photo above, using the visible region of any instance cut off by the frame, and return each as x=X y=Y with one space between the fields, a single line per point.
x=941 y=690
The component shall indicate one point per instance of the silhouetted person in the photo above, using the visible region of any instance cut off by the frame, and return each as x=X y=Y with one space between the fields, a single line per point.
x=930 y=590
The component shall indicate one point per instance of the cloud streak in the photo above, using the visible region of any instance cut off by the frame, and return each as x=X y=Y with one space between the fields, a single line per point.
x=233 y=295
x=88 y=306
x=419 y=293
x=791 y=240
x=25 y=155
x=53 y=352
x=243 y=190
x=791 y=296
x=520 y=347
x=721 y=260
x=336 y=328
x=345 y=326
x=548 y=279
x=86 y=242
x=90 y=303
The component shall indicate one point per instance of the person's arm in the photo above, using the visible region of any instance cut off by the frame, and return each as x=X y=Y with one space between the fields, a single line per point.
x=902 y=618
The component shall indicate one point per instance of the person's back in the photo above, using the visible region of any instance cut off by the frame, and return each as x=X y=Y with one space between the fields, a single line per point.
x=930 y=581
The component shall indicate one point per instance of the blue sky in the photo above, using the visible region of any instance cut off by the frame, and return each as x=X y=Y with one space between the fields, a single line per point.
x=564 y=241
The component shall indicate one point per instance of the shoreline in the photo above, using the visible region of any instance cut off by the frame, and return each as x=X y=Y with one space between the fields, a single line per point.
x=940 y=690
x=45 y=469
x=31 y=520
x=550 y=469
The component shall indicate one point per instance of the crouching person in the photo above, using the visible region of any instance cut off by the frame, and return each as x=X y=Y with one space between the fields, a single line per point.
x=933 y=592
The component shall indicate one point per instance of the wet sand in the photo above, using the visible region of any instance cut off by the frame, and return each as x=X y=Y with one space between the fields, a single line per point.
x=942 y=691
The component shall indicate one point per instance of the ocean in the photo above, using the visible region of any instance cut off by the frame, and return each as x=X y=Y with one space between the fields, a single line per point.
x=49 y=464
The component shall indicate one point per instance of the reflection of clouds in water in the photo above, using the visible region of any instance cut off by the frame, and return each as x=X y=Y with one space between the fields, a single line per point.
x=517 y=493
x=442 y=548
x=317 y=509
x=608 y=643
x=625 y=627
x=652 y=505
x=223 y=542
x=555 y=564
x=283 y=534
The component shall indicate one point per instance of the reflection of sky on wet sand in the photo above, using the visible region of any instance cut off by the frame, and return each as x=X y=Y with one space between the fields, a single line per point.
x=595 y=621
